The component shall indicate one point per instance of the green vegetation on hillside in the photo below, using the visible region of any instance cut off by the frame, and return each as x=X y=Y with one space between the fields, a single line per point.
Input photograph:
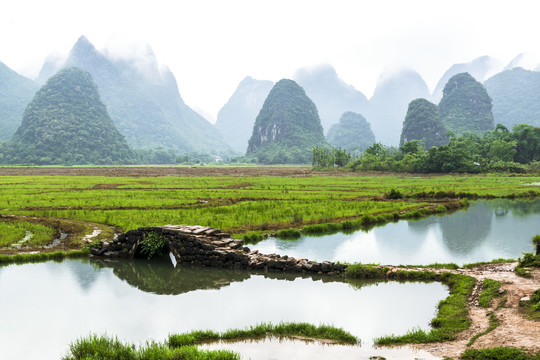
x=353 y=132
x=16 y=91
x=66 y=123
x=423 y=123
x=287 y=127
x=516 y=97
x=466 y=106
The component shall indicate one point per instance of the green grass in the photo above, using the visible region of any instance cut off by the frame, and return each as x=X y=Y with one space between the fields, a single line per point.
x=14 y=231
x=106 y=348
x=43 y=256
x=263 y=330
x=226 y=202
x=499 y=353
x=489 y=292
x=452 y=316
x=494 y=261
x=531 y=308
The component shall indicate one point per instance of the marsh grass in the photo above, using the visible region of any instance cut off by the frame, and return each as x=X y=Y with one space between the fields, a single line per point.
x=263 y=330
x=44 y=256
x=13 y=231
x=106 y=348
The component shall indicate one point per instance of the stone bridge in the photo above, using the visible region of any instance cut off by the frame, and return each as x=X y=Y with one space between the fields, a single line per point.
x=206 y=246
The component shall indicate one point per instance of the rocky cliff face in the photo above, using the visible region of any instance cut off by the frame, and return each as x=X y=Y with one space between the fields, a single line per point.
x=287 y=127
x=466 y=106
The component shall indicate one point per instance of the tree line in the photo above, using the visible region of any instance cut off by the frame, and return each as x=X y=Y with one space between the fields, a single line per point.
x=499 y=150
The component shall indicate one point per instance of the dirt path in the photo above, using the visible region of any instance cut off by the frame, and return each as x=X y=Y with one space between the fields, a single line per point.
x=514 y=330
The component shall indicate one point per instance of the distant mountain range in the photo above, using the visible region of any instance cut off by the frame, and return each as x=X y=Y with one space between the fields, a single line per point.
x=145 y=105
x=143 y=101
x=236 y=118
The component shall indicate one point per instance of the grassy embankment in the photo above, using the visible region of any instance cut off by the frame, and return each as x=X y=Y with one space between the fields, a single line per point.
x=452 y=316
x=184 y=346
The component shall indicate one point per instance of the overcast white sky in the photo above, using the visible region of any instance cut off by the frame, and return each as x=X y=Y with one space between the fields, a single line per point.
x=211 y=45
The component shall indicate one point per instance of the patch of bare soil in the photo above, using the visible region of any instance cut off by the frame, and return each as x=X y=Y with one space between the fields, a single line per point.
x=514 y=330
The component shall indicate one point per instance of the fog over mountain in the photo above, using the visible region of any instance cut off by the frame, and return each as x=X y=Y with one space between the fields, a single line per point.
x=390 y=101
x=16 y=91
x=526 y=61
x=236 y=118
x=480 y=68
x=331 y=95
x=143 y=100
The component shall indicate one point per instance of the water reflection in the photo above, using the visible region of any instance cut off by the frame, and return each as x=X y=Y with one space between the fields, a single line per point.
x=465 y=231
x=485 y=231
x=283 y=348
x=158 y=276
x=47 y=303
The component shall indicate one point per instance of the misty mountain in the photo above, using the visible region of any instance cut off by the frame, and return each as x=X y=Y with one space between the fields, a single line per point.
x=66 y=123
x=466 y=106
x=480 y=68
x=143 y=101
x=424 y=124
x=352 y=132
x=331 y=95
x=526 y=61
x=389 y=103
x=516 y=97
x=236 y=118
x=16 y=92
x=287 y=127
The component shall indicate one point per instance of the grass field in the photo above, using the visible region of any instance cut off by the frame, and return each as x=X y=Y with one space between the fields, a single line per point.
x=234 y=203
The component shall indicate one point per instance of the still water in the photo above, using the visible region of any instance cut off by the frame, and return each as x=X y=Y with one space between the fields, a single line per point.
x=485 y=231
x=45 y=306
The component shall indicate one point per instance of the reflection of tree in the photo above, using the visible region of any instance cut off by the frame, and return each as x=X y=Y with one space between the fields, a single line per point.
x=466 y=230
x=518 y=207
x=160 y=277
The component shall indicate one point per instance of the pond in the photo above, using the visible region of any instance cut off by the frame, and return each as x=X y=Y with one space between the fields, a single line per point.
x=45 y=306
x=485 y=231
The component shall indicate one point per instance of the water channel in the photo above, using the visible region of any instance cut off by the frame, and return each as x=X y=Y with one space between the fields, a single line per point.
x=45 y=306
x=485 y=231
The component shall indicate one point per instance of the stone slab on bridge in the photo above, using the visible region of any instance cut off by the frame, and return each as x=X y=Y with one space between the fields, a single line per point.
x=207 y=246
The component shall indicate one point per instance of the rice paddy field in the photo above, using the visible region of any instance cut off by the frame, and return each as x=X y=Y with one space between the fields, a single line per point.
x=235 y=200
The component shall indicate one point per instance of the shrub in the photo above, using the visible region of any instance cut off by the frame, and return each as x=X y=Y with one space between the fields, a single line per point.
x=152 y=244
